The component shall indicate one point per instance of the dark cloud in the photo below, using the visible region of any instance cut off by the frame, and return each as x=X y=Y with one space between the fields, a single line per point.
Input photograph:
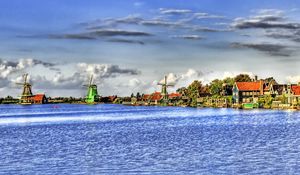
x=264 y=25
x=189 y=37
x=271 y=49
x=46 y=64
x=82 y=36
x=105 y=70
x=94 y=35
x=117 y=32
x=113 y=22
x=291 y=35
x=131 y=19
x=265 y=19
x=174 y=11
x=159 y=22
x=200 y=15
x=206 y=29
x=118 y=40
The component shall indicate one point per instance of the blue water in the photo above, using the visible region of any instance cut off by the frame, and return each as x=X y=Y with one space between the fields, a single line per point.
x=116 y=139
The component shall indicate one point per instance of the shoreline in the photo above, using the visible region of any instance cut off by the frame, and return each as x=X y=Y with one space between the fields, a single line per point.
x=199 y=107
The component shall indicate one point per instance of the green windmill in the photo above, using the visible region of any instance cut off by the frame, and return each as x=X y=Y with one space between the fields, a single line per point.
x=92 y=93
x=164 y=92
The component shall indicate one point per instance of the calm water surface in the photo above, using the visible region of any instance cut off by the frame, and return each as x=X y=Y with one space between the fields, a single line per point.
x=116 y=139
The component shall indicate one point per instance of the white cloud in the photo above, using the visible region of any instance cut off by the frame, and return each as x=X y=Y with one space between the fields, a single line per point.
x=293 y=79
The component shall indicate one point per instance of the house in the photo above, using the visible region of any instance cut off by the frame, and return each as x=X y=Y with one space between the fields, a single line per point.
x=155 y=98
x=268 y=86
x=145 y=97
x=174 y=97
x=295 y=94
x=247 y=92
x=278 y=89
x=112 y=98
x=39 y=99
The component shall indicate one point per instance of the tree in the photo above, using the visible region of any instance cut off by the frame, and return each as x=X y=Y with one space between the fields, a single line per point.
x=193 y=92
x=242 y=78
x=182 y=91
x=270 y=79
x=215 y=87
x=268 y=101
x=229 y=81
x=138 y=95
x=132 y=95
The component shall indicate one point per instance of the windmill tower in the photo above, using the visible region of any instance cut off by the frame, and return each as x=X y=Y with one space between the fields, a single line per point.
x=164 y=92
x=26 y=97
x=92 y=93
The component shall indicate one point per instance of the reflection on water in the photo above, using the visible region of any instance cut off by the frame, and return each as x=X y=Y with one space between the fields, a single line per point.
x=116 y=139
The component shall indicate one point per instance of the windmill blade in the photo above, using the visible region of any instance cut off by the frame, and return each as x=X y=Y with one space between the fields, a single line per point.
x=25 y=78
x=91 y=79
x=20 y=84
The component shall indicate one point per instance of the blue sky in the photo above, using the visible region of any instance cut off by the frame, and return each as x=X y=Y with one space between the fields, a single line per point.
x=129 y=45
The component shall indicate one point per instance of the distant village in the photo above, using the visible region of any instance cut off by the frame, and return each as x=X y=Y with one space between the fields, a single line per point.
x=241 y=92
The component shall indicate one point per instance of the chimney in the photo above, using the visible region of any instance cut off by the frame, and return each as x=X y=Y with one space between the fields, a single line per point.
x=261 y=87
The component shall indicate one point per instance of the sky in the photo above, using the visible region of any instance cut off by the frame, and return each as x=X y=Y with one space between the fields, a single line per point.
x=130 y=45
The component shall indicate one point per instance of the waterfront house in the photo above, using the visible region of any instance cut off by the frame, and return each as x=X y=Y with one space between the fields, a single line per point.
x=145 y=97
x=39 y=99
x=295 y=94
x=270 y=87
x=278 y=89
x=155 y=98
x=247 y=92
x=174 y=98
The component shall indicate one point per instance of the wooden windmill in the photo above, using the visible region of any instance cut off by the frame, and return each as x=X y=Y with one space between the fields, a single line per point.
x=92 y=93
x=26 y=96
x=164 y=92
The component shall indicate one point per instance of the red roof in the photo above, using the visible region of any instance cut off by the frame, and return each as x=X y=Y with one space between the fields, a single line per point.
x=146 y=96
x=174 y=95
x=112 y=98
x=248 y=86
x=156 y=96
x=296 y=89
x=38 y=97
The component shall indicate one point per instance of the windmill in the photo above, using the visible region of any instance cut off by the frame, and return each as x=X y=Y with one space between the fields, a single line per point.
x=26 y=97
x=164 y=91
x=92 y=93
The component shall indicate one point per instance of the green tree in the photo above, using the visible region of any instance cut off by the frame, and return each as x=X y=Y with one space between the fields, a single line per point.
x=182 y=91
x=193 y=92
x=229 y=81
x=215 y=87
x=132 y=95
x=242 y=78
x=268 y=101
